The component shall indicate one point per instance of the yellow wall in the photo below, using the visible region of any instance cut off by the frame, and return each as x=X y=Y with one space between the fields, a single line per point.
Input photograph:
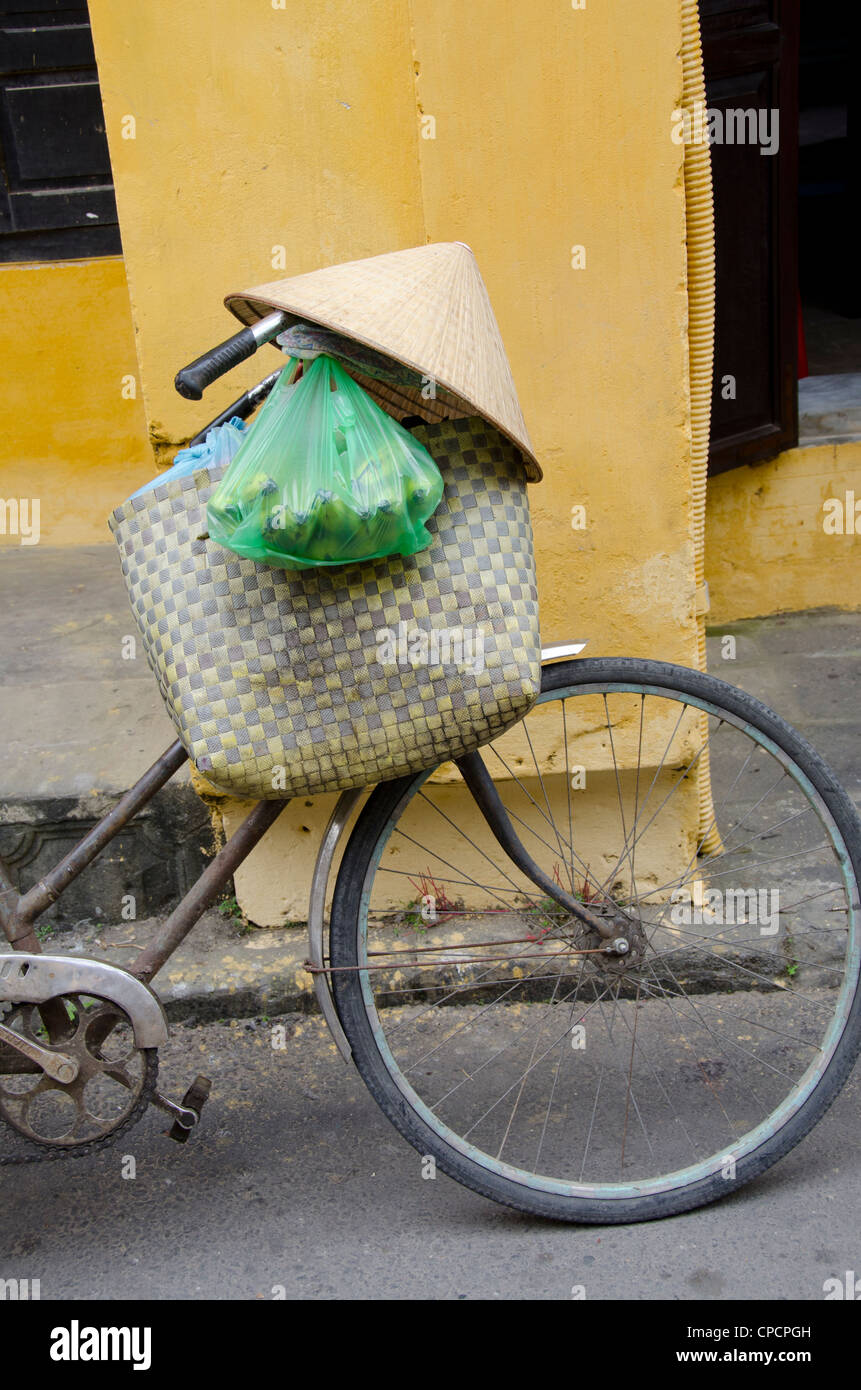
x=254 y=128
x=767 y=549
x=70 y=437
x=303 y=127
x=551 y=133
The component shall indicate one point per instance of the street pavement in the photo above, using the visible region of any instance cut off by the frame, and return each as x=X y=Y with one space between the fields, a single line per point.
x=296 y=1185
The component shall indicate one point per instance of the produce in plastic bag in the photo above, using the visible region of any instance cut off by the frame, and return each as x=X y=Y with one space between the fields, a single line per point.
x=325 y=478
x=217 y=450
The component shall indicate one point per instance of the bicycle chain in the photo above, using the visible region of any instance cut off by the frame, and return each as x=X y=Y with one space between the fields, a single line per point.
x=45 y=1153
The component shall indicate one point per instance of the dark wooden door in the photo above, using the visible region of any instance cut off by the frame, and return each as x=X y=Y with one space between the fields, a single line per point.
x=750 y=53
x=56 y=191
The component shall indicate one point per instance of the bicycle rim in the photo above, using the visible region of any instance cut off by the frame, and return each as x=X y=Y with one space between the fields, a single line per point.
x=500 y=1035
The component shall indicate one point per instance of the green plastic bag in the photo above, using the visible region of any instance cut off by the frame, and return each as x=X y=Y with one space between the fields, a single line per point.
x=325 y=477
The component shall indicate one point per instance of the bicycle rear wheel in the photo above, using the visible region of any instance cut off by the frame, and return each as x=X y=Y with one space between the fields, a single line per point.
x=500 y=1036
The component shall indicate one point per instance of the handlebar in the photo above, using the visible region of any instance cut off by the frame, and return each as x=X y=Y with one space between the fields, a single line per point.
x=192 y=381
x=243 y=407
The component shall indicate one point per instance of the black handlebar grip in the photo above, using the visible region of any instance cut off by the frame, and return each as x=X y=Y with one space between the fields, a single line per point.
x=192 y=381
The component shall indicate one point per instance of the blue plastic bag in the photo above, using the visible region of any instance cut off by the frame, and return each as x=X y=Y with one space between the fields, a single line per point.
x=217 y=450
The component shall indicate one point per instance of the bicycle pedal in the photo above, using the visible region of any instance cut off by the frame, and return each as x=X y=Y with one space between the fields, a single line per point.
x=187 y=1113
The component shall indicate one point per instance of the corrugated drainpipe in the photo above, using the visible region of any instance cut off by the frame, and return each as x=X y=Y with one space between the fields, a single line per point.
x=699 y=213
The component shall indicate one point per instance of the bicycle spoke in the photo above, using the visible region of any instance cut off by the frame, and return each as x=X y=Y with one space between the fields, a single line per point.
x=644 y=1058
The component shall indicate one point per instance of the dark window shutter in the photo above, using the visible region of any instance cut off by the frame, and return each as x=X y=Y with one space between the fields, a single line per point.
x=56 y=192
x=750 y=51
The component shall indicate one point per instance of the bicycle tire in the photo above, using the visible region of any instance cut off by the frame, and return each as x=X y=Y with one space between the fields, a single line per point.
x=346 y=945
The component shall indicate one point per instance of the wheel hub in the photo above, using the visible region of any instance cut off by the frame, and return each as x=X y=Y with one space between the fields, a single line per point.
x=626 y=948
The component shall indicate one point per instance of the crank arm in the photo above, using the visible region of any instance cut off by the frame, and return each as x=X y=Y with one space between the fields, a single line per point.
x=187 y=1114
x=487 y=799
x=58 y=1065
x=182 y=1115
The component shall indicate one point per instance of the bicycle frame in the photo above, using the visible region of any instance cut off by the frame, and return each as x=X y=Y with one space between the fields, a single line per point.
x=19 y=911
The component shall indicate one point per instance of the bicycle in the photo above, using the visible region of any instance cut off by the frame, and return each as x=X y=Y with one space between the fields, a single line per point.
x=594 y=1021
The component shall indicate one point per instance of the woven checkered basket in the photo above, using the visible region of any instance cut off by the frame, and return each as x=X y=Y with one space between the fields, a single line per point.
x=289 y=682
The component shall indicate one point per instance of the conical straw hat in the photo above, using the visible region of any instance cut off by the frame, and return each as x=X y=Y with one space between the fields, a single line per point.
x=428 y=309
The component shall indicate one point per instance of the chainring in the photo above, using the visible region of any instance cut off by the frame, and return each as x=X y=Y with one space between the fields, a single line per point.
x=114 y=1084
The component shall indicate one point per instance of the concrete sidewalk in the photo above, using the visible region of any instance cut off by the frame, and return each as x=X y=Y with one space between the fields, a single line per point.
x=83 y=720
x=82 y=716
